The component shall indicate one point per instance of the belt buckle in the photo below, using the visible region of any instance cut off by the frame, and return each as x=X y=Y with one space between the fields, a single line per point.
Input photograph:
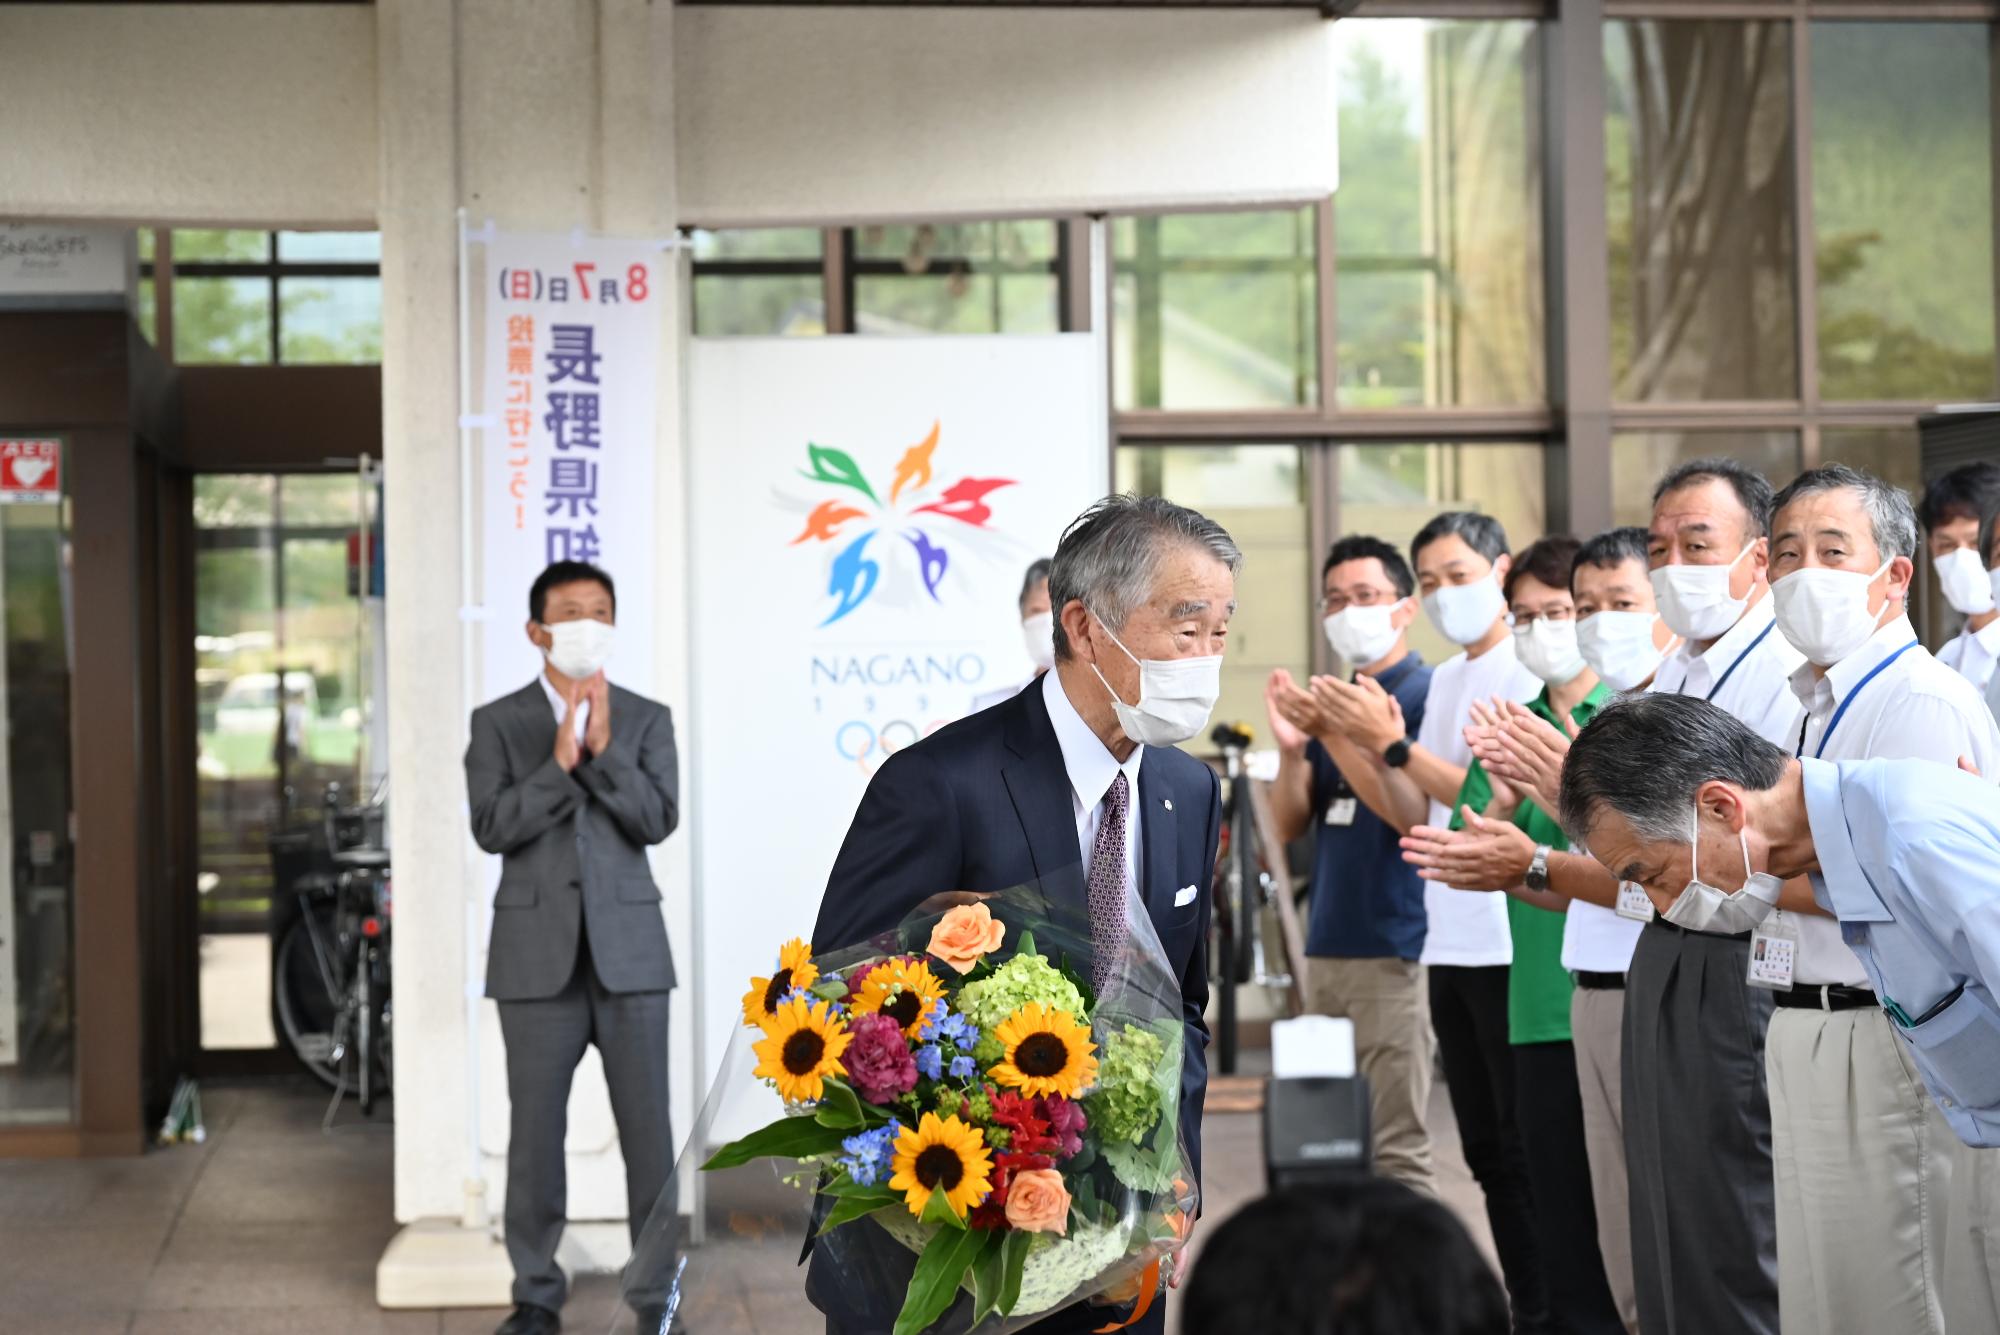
x=1826 y=997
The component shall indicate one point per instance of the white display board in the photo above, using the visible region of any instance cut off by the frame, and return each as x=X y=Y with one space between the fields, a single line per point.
x=862 y=511
x=60 y=263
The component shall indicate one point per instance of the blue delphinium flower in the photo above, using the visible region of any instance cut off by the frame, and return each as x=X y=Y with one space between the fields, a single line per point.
x=930 y=1061
x=933 y=1021
x=962 y=1067
x=869 y=1152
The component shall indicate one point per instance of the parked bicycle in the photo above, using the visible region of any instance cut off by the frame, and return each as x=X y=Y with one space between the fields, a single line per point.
x=330 y=971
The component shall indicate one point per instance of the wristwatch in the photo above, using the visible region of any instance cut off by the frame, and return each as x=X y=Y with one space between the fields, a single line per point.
x=1397 y=753
x=1537 y=877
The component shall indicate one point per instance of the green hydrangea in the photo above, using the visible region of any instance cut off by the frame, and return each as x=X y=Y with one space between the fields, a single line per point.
x=1128 y=1099
x=1025 y=978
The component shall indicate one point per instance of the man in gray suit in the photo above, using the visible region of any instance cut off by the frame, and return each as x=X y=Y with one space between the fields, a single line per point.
x=571 y=779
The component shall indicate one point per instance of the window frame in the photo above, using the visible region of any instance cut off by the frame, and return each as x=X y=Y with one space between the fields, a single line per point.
x=162 y=271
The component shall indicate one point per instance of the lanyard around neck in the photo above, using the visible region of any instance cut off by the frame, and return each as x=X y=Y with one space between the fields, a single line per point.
x=1841 y=710
x=1731 y=669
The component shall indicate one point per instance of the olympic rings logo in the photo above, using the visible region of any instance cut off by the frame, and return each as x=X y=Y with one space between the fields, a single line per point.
x=867 y=745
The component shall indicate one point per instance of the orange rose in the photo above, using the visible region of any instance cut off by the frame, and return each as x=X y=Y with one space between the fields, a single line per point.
x=965 y=934
x=1038 y=1202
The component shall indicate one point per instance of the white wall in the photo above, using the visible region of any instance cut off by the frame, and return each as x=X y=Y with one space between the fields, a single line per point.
x=825 y=114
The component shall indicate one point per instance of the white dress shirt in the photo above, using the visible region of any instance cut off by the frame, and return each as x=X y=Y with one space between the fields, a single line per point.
x=1746 y=674
x=1091 y=768
x=1906 y=862
x=1972 y=653
x=1913 y=708
x=561 y=707
x=1467 y=927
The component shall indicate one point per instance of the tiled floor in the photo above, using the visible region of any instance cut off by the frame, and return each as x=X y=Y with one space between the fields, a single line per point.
x=274 y=1227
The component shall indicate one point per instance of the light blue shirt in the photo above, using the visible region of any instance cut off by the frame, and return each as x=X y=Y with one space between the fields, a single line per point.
x=1909 y=857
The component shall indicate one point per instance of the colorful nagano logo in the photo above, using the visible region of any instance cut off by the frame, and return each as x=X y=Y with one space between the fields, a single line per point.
x=864 y=526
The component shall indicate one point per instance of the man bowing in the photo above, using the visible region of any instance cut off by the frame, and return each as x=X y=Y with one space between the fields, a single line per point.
x=1073 y=783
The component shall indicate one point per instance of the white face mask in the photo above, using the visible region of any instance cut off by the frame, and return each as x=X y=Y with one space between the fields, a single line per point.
x=1176 y=696
x=579 y=649
x=1038 y=632
x=1968 y=586
x=1695 y=600
x=1363 y=635
x=1619 y=647
x=1463 y=613
x=1703 y=908
x=1548 y=649
x=1824 y=613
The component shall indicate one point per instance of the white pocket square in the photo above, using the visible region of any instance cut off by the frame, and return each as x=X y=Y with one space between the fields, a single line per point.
x=1184 y=896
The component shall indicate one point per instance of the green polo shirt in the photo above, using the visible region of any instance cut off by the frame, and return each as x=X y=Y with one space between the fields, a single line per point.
x=1538 y=986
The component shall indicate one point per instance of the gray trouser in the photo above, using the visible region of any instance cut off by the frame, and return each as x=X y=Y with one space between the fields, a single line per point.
x=545 y=1040
x=1698 y=1137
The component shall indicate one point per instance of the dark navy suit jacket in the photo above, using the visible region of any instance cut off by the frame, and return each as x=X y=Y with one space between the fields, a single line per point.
x=985 y=804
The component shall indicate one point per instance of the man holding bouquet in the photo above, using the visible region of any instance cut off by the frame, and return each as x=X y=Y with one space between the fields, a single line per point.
x=1076 y=784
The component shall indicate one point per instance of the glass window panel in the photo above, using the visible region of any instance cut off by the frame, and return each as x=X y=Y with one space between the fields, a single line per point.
x=1391 y=491
x=915 y=247
x=197 y=244
x=1438 y=221
x=1257 y=492
x=329 y=320
x=759 y=304
x=145 y=312
x=959 y=302
x=758 y=243
x=222 y=320
x=1889 y=452
x=146 y=240
x=326 y=500
x=1639 y=459
x=1216 y=310
x=37 y=886
x=235 y=500
x=1699 y=178
x=1903 y=210
x=335 y=247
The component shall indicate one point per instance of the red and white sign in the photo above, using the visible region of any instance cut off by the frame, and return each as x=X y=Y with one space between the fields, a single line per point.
x=30 y=472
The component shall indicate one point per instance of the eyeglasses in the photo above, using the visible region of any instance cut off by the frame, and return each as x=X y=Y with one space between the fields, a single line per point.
x=1340 y=602
x=1556 y=614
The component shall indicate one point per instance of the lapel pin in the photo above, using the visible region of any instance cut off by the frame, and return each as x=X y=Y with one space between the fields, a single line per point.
x=1168 y=802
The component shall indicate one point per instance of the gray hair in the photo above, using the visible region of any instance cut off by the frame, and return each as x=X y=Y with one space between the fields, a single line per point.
x=1038 y=573
x=1111 y=555
x=1892 y=520
x=1752 y=488
x=1645 y=757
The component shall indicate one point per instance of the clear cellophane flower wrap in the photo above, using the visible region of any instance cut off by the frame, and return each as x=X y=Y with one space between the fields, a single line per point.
x=954 y=1128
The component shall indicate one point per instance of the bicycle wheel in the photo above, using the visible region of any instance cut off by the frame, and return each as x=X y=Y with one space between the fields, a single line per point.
x=306 y=1012
x=364 y=1034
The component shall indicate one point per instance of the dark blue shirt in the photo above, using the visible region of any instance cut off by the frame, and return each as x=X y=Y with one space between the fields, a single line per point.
x=1367 y=903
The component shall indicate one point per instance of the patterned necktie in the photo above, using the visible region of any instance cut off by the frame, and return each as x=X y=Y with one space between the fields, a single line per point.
x=1106 y=886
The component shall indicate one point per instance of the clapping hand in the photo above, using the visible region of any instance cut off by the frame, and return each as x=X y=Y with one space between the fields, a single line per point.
x=1535 y=750
x=598 y=733
x=1292 y=712
x=569 y=753
x=1487 y=854
x=1369 y=716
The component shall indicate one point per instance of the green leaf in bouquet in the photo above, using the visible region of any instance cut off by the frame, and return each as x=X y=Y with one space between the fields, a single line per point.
x=1082 y=1161
x=1025 y=944
x=788 y=1138
x=940 y=1271
x=1014 y=1248
x=1142 y=1169
x=988 y=1274
x=840 y=1107
x=1079 y=982
x=859 y=1202
x=829 y=989
x=937 y=1210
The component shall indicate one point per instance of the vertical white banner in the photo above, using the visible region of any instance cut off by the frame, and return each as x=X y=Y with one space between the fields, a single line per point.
x=572 y=341
x=862 y=512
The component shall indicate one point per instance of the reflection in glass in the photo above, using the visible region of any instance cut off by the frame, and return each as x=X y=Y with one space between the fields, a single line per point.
x=202 y=244
x=1257 y=492
x=759 y=304
x=1699 y=179
x=37 y=875
x=1903 y=210
x=222 y=321
x=956 y=278
x=281 y=711
x=1889 y=452
x=329 y=320
x=1215 y=310
x=1391 y=491
x=1438 y=221
x=328 y=247
x=1640 y=459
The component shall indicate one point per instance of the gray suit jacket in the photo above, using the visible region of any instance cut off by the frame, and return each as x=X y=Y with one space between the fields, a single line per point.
x=573 y=846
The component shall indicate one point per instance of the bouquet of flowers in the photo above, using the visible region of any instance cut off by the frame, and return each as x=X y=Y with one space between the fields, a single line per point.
x=959 y=1093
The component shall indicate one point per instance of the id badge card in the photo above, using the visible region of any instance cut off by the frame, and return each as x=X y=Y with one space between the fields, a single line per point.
x=1634 y=903
x=1340 y=811
x=1774 y=953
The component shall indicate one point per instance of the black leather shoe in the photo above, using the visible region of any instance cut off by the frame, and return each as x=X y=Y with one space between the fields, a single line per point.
x=529 y=1319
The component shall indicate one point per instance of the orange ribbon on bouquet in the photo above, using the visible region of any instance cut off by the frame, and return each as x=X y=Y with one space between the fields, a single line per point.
x=1149 y=1284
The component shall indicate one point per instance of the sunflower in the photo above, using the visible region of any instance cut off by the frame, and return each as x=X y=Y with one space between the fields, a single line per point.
x=903 y=990
x=942 y=1154
x=795 y=969
x=1047 y=1052
x=802 y=1046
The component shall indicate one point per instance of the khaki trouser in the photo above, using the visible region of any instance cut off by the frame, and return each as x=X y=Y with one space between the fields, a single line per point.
x=1972 y=1234
x=1388 y=1001
x=1863 y=1176
x=1597 y=1029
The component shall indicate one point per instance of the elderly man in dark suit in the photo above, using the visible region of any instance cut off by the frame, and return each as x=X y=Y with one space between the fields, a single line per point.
x=1074 y=783
x=571 y=779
